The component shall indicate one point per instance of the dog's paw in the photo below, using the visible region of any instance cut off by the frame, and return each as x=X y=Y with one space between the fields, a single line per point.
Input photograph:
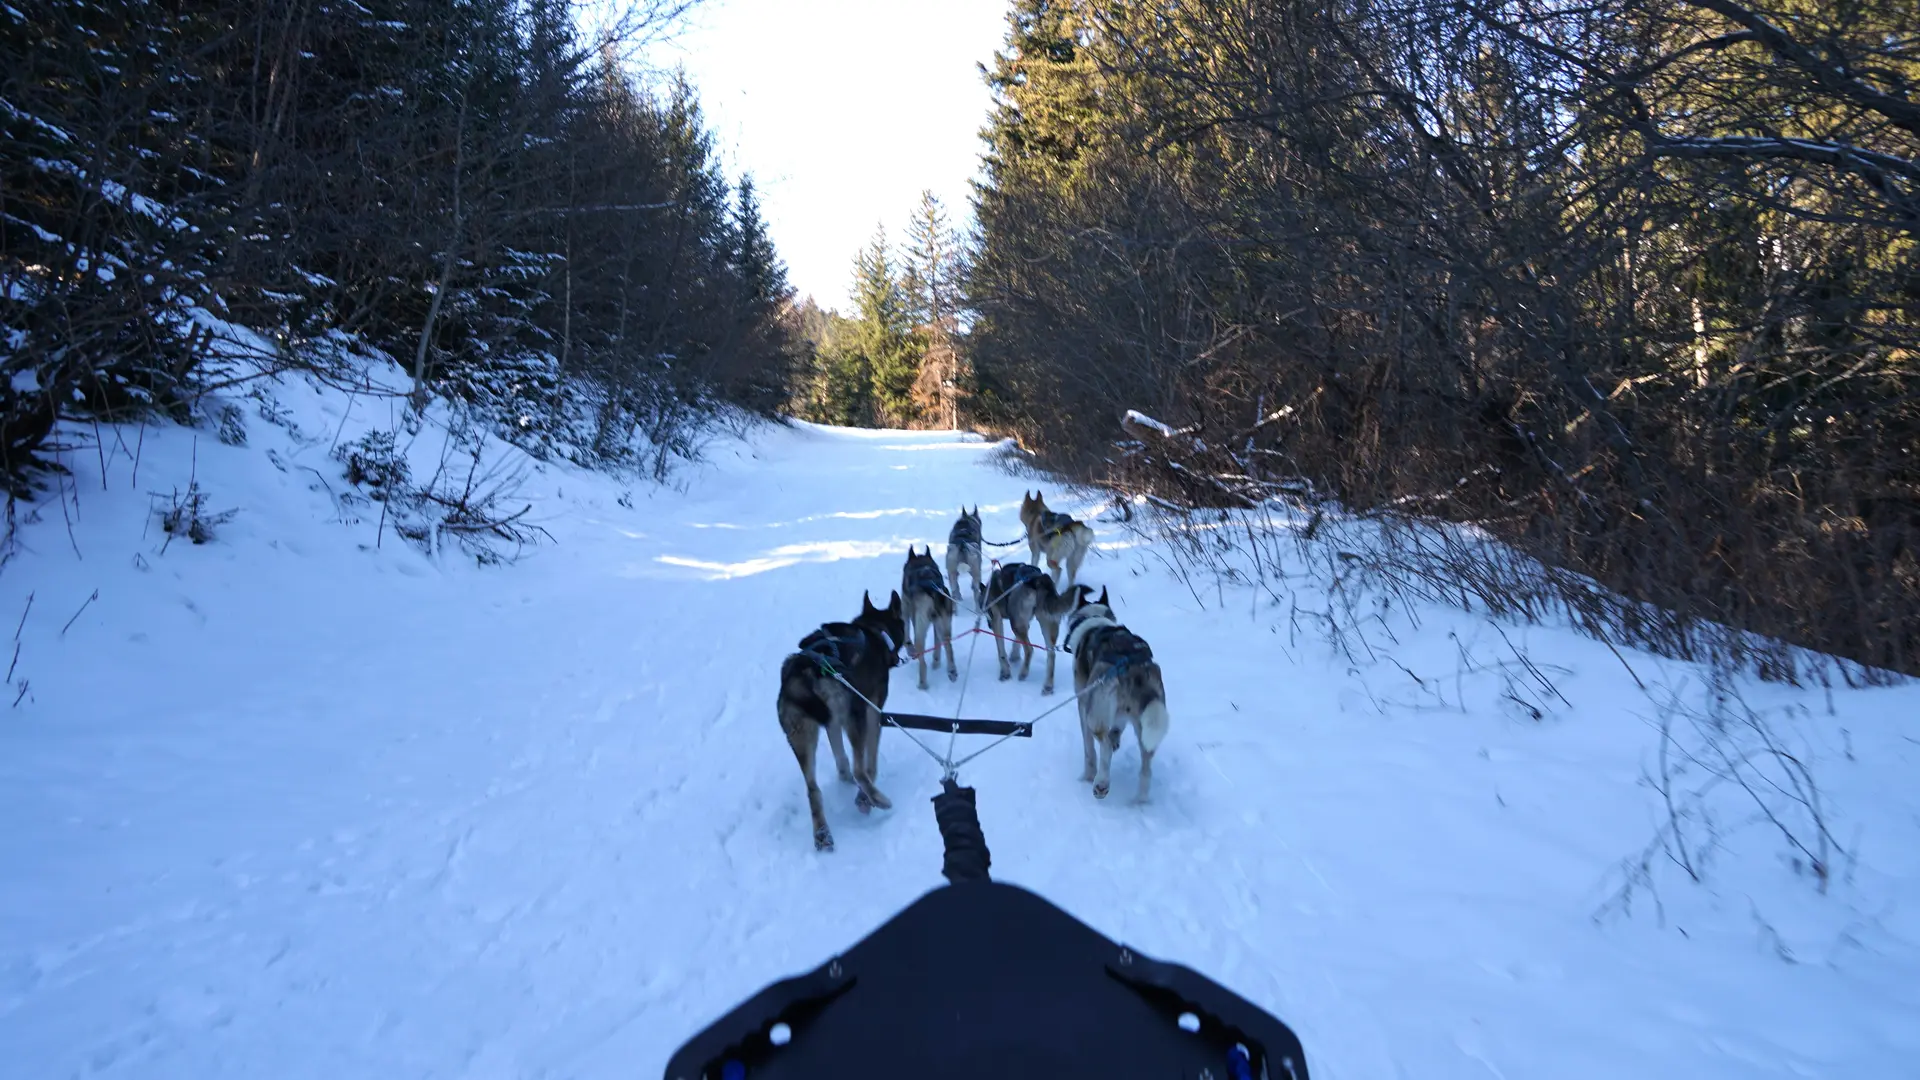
x=1005 y=675
x=953 y=675
x=1099 y=791
x=1087 y=777
x=846 y=777
x=1047 y=690
x=862 y=803
x=822 y=839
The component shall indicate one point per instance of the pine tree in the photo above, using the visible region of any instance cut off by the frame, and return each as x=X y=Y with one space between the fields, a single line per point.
x=762 y=274
x=932 y=272
x=884 y=331
x=932 y=282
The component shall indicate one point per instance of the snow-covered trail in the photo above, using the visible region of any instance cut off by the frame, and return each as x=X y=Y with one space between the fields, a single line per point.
x=288 y=806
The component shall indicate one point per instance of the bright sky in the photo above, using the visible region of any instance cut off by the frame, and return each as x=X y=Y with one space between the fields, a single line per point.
x=843 y=111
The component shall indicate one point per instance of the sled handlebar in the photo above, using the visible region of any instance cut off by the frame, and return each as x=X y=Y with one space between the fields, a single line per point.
x=967 y=857
x=981 y=979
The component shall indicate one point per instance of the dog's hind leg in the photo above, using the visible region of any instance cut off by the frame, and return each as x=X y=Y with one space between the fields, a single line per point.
x=1050 y=631
x=944 y=630
x=803 y=734
x=997 y=620
x=837 y=739
x=920 y=629
x=1075 y=556
x=866 y=765
x=1099 y=728
x=1150 y=727
x=1021 y=631
x=1086 y=741
x=1105 y=742
x=1146 y=763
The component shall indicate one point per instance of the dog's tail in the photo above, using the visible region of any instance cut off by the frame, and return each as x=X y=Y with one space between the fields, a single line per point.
x=798 y=689
x=1150 y=698
x=1153 y=725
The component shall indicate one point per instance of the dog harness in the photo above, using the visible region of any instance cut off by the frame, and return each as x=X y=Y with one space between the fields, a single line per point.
x=965 y=531
x=1121 y=647
x=824 y=645
x=1020 y=574
x=927 y=578
x=1125 y=649
x=1052 y=524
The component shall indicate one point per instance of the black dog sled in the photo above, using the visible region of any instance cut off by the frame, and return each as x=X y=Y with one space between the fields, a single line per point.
x=983 y=980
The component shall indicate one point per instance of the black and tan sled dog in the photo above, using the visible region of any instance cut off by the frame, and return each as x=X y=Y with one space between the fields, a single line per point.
x=1119 y=685
x=863 y=652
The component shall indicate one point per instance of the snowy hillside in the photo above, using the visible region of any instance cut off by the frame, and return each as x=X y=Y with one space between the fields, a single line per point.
x=305 y=802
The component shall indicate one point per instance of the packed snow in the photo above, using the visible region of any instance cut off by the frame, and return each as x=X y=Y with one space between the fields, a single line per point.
x=307 y=801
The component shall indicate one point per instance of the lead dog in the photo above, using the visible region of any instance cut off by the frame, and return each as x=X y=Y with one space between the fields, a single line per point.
x=1118 y=684
x=1020 y=594
x=929 y=607
x=963 y=550
x=863 y=652
x=1062 y=540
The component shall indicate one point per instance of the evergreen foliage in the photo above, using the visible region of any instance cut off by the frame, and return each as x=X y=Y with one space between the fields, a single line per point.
x=501 y=206
x=1634 y=285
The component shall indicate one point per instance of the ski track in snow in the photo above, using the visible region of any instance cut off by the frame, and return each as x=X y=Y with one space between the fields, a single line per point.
x=293 y=805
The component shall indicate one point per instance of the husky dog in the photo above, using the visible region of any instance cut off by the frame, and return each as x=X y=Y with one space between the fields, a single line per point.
x=863 y=652
x=1119 y=684
x=963 y=549
x=929 y=606
x=1021 y=593
x=1057 y=536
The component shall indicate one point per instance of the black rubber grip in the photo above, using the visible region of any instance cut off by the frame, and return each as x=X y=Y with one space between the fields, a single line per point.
x=967 y=856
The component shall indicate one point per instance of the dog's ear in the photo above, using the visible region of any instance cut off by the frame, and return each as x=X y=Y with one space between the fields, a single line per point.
x=894 y=604
x=866 y=603
x=1104 y=602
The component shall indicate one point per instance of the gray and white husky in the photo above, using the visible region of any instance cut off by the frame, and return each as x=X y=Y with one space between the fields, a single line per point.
x=963 y=549
x=864 y=652
x=1019 y=594
x=1119 y=684
x=1060 y=539
x=929 y=607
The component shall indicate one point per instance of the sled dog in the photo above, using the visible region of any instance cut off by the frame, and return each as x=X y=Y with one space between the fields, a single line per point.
x=963 y=550
x=929 y=607
x=1019 y=594
x=1062 y=540
x=863 y=652
x=1119 y=684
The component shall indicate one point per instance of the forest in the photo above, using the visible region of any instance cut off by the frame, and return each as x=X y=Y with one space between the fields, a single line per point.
x=1632 y=285
x=506 y=206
